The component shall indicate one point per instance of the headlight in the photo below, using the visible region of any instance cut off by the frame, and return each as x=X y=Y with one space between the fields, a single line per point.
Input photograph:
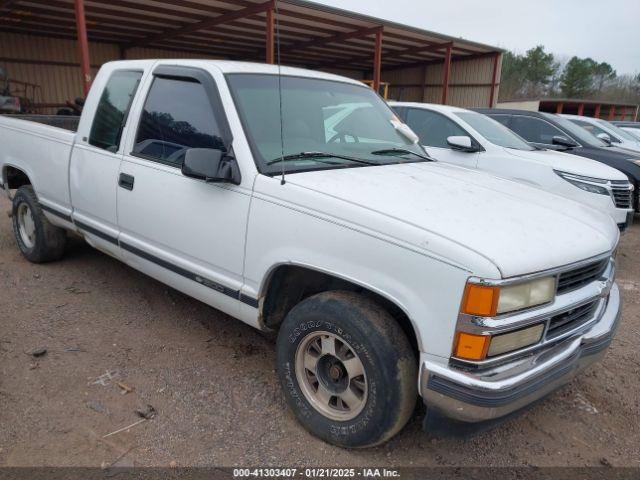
x=489 y=301
x=508 y=342
x=478 y=347
x=588 y=184
x=525 y=295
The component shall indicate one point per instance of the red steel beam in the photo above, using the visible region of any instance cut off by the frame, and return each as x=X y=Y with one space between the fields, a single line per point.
x=494 y=79
x=269 y=37
x=597 y=112
x=205 y=24
x=612 y=112
x=377 y=61
x=445 y=75
x=425 y=48
x=581 y=109
x=559 y=107
x=457 y=58
x=404 y=52
x=340 y=37
x=83 y=46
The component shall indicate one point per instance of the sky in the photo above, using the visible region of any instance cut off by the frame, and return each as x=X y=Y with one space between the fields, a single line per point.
x=607 y=31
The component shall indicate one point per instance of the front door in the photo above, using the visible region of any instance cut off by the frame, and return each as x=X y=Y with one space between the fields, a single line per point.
x=186 y=232
x=433 y=128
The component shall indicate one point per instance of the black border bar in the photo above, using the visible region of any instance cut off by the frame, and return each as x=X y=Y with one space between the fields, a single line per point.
x=230 y=292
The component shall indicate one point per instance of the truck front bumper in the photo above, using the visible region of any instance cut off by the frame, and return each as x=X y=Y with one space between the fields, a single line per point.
x=476 y=396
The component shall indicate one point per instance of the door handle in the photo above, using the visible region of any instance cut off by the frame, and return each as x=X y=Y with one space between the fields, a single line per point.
x=126 y=181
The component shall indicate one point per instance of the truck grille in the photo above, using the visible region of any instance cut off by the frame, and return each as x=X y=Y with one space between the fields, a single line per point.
x=622 y=195
x=578 y=277
x=571 y=319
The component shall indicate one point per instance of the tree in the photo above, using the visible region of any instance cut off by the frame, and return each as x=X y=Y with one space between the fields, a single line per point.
x=602 y=73
x=513 y=75
x=577 y=78
x=527 y=75
x=539 y=69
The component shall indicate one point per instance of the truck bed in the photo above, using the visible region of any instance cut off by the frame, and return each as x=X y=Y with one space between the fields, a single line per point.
x=42 y=151
x=66 y=122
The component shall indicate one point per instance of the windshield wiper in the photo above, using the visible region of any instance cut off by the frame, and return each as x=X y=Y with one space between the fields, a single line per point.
x=390 y=151
x=318 y=155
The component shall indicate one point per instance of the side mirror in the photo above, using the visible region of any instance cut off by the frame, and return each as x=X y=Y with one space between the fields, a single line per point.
x=211 y=165
x=462 y=143
x=605 y=138
x=405 y=131
x=563 y=142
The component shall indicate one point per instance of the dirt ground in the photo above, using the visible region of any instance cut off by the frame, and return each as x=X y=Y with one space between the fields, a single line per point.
x=212 y=382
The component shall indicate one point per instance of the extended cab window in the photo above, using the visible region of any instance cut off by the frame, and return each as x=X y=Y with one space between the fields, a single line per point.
x=433 y=128
x=535 y=130
x=177 y=116
x=112 y=110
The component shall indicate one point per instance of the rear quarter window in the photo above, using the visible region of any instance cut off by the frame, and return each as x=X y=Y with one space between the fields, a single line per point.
x=113 y=108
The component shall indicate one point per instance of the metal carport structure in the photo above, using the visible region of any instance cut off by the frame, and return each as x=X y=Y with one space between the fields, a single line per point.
x=419 y=65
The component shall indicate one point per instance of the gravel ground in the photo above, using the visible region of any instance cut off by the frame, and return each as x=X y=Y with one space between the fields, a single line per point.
x=212 y=382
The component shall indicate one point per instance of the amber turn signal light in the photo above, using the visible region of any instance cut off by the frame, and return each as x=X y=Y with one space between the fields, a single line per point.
x=480 y=300
x=471 y=347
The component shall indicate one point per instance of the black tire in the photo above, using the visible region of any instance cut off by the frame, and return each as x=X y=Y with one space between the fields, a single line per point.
x=49 y=241
x=384 y=351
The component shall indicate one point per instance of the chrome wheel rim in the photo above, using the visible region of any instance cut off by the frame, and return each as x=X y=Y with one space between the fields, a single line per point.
x=26 y=225
x=331 y=376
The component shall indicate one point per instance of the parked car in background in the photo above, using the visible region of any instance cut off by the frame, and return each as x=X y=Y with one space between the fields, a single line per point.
x=554 y=132
x=606 y=132
x=473 y=140
x=632 y=131
x=630 y=127
x=385 y=274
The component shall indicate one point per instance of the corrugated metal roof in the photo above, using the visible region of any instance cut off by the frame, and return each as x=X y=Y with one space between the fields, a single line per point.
x=311 y=35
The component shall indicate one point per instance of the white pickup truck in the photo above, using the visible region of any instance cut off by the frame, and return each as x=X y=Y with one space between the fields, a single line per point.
x=385 y=274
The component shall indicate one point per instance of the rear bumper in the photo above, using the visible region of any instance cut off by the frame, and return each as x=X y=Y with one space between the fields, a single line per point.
x=475 y=396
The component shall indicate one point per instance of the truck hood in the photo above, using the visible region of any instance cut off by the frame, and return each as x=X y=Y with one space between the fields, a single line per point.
x=569 y=163
x=519 y=229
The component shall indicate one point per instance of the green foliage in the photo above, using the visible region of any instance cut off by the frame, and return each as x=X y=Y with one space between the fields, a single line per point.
x=539 y=67
x=603 y=73
x=527 y=75
x=577 y=78
x=583 y=77
x=538 y=74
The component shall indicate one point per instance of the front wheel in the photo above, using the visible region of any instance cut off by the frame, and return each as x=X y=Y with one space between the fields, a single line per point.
x=347 y=369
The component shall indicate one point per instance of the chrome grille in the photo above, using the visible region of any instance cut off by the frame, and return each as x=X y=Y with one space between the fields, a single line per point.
x=622 y=195
x=571 y=319
x=578 y=277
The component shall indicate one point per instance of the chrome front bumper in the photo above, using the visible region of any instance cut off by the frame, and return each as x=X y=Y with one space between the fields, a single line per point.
x=477 y=395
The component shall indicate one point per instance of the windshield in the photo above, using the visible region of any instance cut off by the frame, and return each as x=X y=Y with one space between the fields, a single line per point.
x=617 y=130
x=633 y=131
x=578 y=133
x=319 y=117
x=494 y=131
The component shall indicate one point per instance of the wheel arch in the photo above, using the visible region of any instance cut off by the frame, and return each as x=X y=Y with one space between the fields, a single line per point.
x=14 y=177
x=286 y=284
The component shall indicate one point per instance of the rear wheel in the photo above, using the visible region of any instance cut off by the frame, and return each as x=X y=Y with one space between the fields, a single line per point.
x=38 y=240
x=347 y=369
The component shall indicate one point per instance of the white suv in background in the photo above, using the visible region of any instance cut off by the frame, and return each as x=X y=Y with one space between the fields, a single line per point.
x=607 y=132
x=473 y=140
